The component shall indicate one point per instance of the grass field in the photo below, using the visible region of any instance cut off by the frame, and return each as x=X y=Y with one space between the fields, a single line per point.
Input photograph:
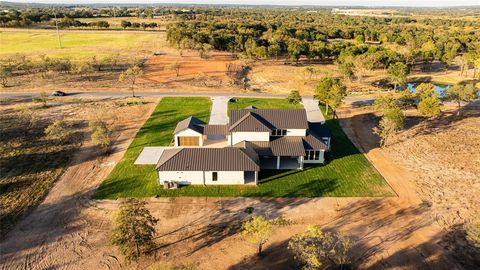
x=78 y=44
x=263 y=103
x=347 y=173
x=128 y=180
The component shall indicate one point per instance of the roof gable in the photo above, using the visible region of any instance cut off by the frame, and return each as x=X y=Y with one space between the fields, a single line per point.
x=272 y=118
x=192 y=123
x=251 y=122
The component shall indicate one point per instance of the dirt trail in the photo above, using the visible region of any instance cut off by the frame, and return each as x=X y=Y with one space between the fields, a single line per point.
x=68 y=231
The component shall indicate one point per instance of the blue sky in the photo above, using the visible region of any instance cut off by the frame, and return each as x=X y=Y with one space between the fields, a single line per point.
x=405 y=3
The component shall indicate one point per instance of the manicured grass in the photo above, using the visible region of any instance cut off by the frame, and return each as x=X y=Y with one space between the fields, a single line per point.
x=346 y=174
x=263 y=103
x=128 y=180
x=76 y=44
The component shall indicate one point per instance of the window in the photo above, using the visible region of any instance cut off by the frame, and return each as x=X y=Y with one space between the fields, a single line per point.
x=214 y=176
x=279 y=132
x=312 y=155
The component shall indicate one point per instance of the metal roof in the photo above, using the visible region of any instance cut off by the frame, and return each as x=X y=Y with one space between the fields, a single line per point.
x=288 y=146
x=192 y=123
x=251 y=122
x=207 y=159
x=271 y=118
x=215 y=130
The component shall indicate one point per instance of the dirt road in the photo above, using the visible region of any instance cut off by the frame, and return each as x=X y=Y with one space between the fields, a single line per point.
x=69 y=231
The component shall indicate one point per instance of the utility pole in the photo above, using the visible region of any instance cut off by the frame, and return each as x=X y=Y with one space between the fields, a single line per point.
x=58 y=31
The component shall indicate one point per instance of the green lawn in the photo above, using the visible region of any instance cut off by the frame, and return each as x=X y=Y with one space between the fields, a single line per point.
x=347 y=172
x=263 y=103
x=128 y=180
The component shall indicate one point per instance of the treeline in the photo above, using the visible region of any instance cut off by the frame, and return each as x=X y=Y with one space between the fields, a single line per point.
x=136 y=25
x=379 y=41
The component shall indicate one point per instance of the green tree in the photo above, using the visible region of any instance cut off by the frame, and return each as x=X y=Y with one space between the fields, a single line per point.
x=294 y=97
x=125 y=24
x=316 y=249
x=256 y=231
x=274 y=50
x=5 y=75
x=58 y=130
x=398 y=73
x=459 y=93
x=331 y=92
x=134 y=229
x=131 y=75
x=429 y=104
x=392 y=119
x=100 y=133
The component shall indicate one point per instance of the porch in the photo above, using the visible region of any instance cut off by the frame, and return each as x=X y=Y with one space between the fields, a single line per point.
x=281 y=163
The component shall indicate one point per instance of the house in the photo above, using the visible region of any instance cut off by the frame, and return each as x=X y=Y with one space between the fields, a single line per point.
x=234 y=153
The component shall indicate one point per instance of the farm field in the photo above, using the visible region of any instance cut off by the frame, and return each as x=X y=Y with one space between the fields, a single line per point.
x=347 y=174
x=78 y=44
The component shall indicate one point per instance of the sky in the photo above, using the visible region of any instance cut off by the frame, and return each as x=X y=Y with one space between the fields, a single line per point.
x=403 y=3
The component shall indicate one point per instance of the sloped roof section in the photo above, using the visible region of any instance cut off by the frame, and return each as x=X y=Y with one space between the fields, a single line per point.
x=313 y=141
x=207 y=159
x=276 y=118
x=288 y=146
x=251 y=122
x=261 y=148
x=192 y=123
x=215 y=130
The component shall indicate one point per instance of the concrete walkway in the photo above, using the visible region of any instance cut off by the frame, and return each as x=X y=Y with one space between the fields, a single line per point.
x=150 y=155
x=314 y=115
x=219 y=113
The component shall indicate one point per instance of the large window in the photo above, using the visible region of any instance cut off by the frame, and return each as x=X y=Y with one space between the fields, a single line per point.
x=279 y=132
x=312 y=155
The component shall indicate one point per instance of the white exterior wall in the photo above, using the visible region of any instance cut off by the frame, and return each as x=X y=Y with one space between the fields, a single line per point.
x=197 y=177
x=188 y=133
x=236 y=137
x=321 y=160
x=296 y=132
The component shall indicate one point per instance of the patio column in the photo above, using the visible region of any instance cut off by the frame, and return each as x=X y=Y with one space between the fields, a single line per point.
x=278 y=162
x=301 y=162
x=256 y=178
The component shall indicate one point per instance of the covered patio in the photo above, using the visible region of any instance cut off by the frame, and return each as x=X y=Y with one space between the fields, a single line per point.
x=281 y=163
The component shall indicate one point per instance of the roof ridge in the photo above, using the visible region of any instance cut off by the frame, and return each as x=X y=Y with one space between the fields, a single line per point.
x=248 y=114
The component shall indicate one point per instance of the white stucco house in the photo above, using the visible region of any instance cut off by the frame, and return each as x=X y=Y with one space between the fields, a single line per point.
x=253 y=140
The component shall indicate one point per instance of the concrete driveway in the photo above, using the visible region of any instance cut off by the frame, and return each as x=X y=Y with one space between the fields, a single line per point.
x=314 y=115
x=219 y=113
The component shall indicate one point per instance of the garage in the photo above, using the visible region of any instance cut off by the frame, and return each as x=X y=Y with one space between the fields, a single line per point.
x=188 y=141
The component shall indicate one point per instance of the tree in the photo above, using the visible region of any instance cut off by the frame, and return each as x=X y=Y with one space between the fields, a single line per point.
x=84 y=68
x=134 y=229
x=131 y=74
x=310 y=71
x=392 y=120
x=459 y=93
x=5 y=74
x=256 y=231
x=176 y=66
x=429 y=104
x=317 y=249
x=398 y=73
x=294 y=97
x=100 y=133
x=125 y=24
x=331 y=92
x=274 y=50
x=58 y=130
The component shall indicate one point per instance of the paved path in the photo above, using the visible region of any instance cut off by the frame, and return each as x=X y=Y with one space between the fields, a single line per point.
x=219 y=113
x=314 y=115
x=150 y=155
